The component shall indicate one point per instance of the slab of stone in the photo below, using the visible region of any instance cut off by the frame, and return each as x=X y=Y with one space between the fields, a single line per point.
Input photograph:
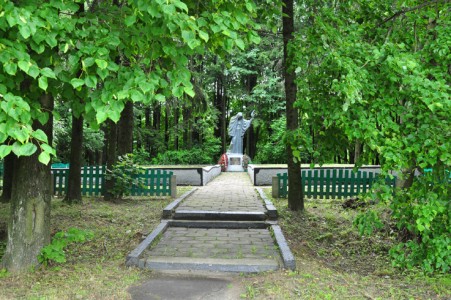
x=132 y=258
x=271 y=210
x=289 y=261
x=219 y=224
x=211 y=265
x=168 y=210
x=219 y=215
x=186 y=288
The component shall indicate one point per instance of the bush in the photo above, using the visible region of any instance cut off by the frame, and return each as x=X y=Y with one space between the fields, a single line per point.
x=54 y=252
x=207 y=153
x=424 y=211
x=125 y=174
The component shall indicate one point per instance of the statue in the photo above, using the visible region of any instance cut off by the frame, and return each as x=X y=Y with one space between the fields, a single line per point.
x=237 y=127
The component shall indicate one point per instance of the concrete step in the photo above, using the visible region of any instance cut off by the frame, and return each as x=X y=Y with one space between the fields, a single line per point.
x=164 y=263
x=219 y=215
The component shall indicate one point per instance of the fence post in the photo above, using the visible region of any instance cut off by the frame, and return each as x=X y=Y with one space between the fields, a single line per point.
x=275 y=187
x=173 y=186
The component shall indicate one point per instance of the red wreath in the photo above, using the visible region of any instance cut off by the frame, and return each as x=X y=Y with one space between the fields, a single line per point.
x=223 y=161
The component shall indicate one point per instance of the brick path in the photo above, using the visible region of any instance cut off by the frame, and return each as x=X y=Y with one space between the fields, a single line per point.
x=231 y=191
x=219 y=227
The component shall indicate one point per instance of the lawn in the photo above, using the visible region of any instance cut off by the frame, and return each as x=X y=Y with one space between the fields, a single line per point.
x=333 y=261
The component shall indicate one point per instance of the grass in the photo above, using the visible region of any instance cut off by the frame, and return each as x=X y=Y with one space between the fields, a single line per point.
x=333 y=261
x=95 y=269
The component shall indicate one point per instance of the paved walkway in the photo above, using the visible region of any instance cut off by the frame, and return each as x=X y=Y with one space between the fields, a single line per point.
x=231 y=191
x=223 y=226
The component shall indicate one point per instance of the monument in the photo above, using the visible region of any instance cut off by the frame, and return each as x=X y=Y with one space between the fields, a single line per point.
x=237 y=128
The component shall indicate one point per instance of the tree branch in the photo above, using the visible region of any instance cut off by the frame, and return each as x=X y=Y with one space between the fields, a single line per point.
x=406 y=10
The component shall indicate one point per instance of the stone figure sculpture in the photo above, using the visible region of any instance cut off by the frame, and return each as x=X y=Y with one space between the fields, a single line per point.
x=237 y=127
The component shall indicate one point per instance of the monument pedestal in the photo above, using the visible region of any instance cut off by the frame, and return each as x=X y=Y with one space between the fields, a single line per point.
x=235 y=162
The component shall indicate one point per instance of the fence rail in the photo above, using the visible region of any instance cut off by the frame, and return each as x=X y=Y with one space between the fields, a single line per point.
x=153 y=182
x=330 y=183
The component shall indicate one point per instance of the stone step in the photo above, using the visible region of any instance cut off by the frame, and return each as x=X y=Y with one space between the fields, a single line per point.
x=219 y=215
x=220 y=248
x=165 y=263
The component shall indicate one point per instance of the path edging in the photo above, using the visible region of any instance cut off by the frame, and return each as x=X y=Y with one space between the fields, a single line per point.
x=169 y=209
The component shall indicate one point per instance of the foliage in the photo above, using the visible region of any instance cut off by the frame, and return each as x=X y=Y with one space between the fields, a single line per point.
x=92 y=52
x=125 y=174
x=93 y=140
x=378 y=73
x=273 y=149
x=368 y=222
x=199 y=154
x=424 y=211
x=54 y=252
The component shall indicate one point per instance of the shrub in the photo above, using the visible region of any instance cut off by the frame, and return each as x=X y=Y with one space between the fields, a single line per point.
x=54 y=252
x=200 y=154
x=125 y=174
x=424 y=211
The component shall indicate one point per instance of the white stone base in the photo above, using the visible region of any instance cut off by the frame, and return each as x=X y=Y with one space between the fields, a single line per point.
x=235 y=162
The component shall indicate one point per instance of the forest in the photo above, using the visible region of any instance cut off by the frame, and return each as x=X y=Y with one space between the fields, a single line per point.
x=360 y=82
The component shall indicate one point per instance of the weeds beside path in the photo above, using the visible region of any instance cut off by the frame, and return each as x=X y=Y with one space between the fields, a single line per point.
x=95 y=269
x=333 y=261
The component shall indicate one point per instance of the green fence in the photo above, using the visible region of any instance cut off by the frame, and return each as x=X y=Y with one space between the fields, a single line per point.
x=331 y=183
x=153 y=182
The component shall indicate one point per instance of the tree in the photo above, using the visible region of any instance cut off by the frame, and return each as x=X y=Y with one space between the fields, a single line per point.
x=377 y=73
x=295 y=189
x=43 y=50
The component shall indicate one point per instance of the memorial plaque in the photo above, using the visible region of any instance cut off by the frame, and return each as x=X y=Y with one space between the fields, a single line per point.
x=235 y=161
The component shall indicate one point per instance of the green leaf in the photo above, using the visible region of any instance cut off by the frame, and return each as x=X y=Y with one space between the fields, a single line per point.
x=24 y=65
x=26 y=149
x=181 y=5
x=43 y=83
x=47 y=72
x=10 y=68
x=101 y=116
x=25 y=31
x=51 y=40
x=44 y=157
x=102 y=64
x=188 y=35
x=48 y=148
x=5 y=150
x=189 y=91
x=146 y=86
x=102 y=73
x=91 y=81
x=136 y=96
x=203 y=35
x=160 y=98
x=130 y=20
x=77 y=82
x=34 y=71
x=240 y=44
x=40 y=135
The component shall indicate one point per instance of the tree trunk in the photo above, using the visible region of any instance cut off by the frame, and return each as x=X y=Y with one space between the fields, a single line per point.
x=166 y=127
x=176 y=129
x=188 y=130
x=8 y=170
x=29 y=226
x=295 y=190
x=125 y=130
x=110 y=160
x=357 y=151
x=76 y=148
